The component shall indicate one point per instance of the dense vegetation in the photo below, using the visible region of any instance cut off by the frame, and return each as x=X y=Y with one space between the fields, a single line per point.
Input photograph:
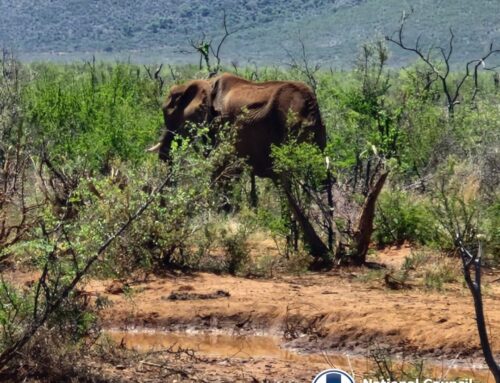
x=74 y=174
x=158 y=31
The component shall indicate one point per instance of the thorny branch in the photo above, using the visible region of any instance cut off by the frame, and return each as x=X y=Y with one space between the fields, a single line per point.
x=156 y=76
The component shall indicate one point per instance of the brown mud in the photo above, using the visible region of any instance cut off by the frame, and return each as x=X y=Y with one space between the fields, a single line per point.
x=224 y=346
x=288 y=328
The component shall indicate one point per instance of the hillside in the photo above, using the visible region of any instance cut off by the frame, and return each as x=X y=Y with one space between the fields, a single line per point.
x=332 y=30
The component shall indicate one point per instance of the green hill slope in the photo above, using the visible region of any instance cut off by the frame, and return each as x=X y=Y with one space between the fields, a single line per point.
x=158 y=30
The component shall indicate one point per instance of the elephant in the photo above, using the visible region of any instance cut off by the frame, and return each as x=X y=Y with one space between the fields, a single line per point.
x=264 y=114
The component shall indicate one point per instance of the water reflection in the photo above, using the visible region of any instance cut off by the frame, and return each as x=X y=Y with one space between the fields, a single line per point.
x=224 y=345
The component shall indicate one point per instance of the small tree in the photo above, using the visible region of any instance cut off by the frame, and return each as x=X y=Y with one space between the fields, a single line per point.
x=438 y=61
x=210 y=50
x=302 y=64
x=16 y=208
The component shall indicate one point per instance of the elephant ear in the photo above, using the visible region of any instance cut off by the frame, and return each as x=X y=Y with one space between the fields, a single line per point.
x=180 y=97
x=191 y=93
x=195 y=102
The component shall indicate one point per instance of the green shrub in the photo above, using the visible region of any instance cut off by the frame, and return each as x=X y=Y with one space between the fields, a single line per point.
x=165 y=234
x=303 y=165
x=416 y=260
x=87 y=116
x=440 y=273
x=433 y=268
x=236 y=251
x=266 y=265
x=298 y=262
x=15 y=308
x=301 y=162
x=403 y=216
x=491 y=230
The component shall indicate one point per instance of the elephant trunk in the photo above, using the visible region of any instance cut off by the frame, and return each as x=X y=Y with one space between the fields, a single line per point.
x=164 y=147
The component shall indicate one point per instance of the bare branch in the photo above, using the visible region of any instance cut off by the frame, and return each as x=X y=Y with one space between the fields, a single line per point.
x=207 y=49
x=452 y=95
x=303 y=65
x=227 y=33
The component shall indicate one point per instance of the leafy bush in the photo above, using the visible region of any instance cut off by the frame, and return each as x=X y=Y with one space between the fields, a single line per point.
x=432 y=267
x=236 y=250
x=302 y=162
x=440 y=273
x=491 y=228
x=267 y=265
x=15 y=308
x=86 y=116
x=416 y=260
x=304 y=168
x=298 y=262
x=162 y=236
x=404 y=216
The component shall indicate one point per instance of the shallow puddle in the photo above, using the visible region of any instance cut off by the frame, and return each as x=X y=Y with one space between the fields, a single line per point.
x=217 y=345
x=223 y=345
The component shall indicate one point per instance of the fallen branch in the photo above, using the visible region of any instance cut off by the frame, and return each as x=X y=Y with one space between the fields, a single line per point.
x=171 y=370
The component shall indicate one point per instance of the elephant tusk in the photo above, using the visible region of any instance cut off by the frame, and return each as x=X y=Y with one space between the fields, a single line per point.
x=154 y=148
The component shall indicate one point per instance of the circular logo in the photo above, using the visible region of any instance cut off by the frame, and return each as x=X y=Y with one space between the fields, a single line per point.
x=333 y=376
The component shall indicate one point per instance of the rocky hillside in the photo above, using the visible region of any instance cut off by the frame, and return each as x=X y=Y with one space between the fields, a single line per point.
x=158 y=30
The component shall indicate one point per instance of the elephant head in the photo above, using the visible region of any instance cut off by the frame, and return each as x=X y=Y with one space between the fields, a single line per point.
x=190 y=102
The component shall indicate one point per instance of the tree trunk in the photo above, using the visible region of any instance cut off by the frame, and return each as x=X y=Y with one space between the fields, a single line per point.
x=364 y=230
x=475 y=288
x=316 y=246
x=329 y=194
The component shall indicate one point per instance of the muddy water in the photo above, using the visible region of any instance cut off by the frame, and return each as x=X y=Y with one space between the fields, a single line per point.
x=223 y=345
x=220 y=345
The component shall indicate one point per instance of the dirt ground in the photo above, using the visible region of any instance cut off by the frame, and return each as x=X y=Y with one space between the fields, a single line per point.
x=338 y=313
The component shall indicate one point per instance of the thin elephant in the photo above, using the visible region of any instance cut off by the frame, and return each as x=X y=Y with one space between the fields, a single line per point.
x=263 y=114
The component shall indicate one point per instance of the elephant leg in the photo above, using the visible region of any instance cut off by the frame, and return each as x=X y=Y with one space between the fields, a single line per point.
x=316 y=246
x=253 y=191
x=287 y=218
x=225 y=186
x=225 y=190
